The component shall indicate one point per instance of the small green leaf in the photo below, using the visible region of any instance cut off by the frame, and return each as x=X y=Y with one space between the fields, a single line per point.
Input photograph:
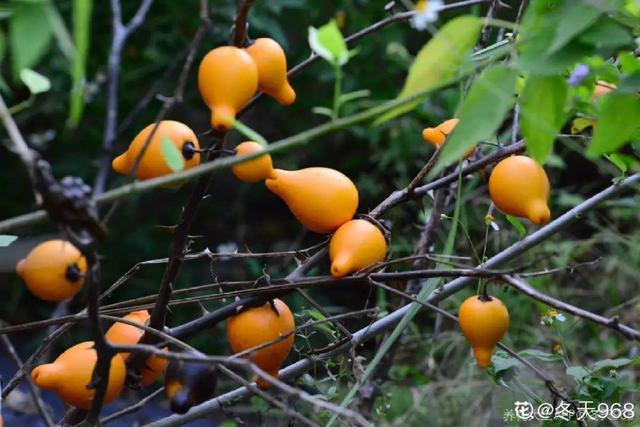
x=323 y=111
x=172 y=155
x=629 y=64
x=517 y=224
x=494 y=88
x=611 y=363
x=577 y=372
x=6 y=240
x=617 y=160
x=619 y=117
x=439 y=60
x=328 y=42
x=542 y=113
x=36 y=82
x=29 y=34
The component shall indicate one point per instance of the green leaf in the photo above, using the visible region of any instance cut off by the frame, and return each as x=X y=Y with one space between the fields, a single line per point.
x=542 y=113
x=577 y=372
x=618 y=120
x=517 y=224
x=328 y=42
x=59 y=30
x=172 y=155
x=541 y=355
x=439 y=60
x=3 y=45
x=81 y=38
x=618 y=161
x=482 y=112
x=606 y=33
x=577 y=15
x=29 y=34
x=629 y=64
x=36 y=82
x=611 y=363
x=6 y=240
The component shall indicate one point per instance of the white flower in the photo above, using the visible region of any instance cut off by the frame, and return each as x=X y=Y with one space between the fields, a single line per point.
x=426 y=13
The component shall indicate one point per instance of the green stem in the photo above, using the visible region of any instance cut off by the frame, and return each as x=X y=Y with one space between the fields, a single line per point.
x=337 y=91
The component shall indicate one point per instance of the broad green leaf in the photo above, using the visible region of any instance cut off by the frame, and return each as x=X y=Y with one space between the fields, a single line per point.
x=576 y=15
x=81 y=38
x=328 y=42
x=542 y=113
x=606 y=33
x=6 y=240
x=611 y=363
x=629 y=64
x=517 y=224
x=535 y=61
x=29 y=34
x=36 y=82
x=439 y=60
x=482 y=111
x=618 y=161
x=618 y=120
x=577 y=372
x=539 y=354
x=172 y=155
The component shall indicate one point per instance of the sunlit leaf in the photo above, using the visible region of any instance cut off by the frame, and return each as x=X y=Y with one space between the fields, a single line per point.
x=29 y=34
x=36 y=82
x=617 y=123
x=328 y=42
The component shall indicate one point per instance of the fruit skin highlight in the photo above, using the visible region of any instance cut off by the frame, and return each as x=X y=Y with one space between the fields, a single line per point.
x=70 y=374
x=188 y=384
x=227 y=79
x=272 y=70
x=519 y=186
x=355 y=245
x=153 y=163
x=254 y=170
x=255 y=326
x=54 y=270
x=321 y=198
x=438 y=135
x=483 y=323
x=124 y=334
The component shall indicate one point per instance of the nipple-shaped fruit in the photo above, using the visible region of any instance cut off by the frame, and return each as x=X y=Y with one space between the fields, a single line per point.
x=272 y=70
x=357 y=244
x=153 y=162
x=188 y=384
x=519 y=186
x=54 y=270
x=70 y=374
x=322 y=199
x=256 y=326
x=125 y=334
x=483 y=323
x=253 y=170
x=227 y=79
x=438 y=135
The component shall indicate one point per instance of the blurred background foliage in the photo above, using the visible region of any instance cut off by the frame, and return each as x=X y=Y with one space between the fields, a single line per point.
x=431 y=381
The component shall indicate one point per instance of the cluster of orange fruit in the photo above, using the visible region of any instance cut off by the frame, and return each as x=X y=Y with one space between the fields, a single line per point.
x=322 y=199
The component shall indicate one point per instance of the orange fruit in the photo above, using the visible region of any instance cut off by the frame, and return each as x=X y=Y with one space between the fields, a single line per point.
x=438 y=135
x=355 y=245
x=227 y=79
x=122 y=333
x=519 y=186
x=54 y=270
x=272 y=70
x=70 y=374
x=483 y=323
x=153 y=162
x=321 y=198
x=259 y=325
x=253 y=170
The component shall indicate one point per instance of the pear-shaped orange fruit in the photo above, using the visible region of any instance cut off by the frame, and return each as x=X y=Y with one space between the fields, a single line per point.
x=483 y=323
x=153 y=162
x=253 y=170
x=255 y=326
x=272 y=70
x=70 y=374
x=519 y=186
x=355 y=245
x=54 y=270
x=124 y=334
x=321 y=198
x=438 y=135
x=227 y=79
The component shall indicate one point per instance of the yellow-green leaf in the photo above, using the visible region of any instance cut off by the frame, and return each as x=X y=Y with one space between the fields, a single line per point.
x=617 y=123
x=439 y=60
x=172 y=155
